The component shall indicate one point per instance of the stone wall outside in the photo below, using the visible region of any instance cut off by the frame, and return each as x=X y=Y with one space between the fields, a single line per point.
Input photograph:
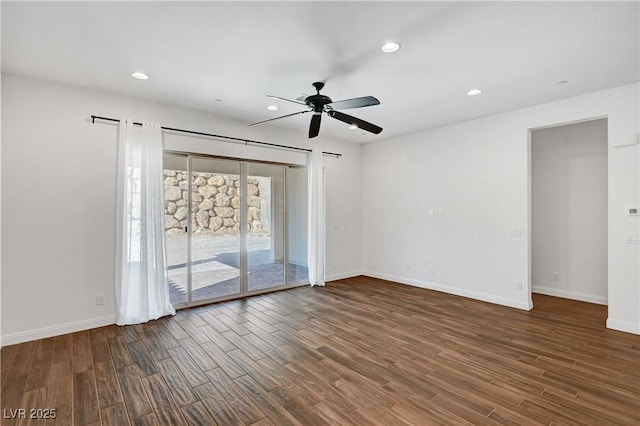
x=215 y=202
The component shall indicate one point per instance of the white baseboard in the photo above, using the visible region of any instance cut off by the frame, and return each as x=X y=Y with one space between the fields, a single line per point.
x=56 y=330
x=485 y=297
x=626 y=326
x=565 y=294
x=342 y=275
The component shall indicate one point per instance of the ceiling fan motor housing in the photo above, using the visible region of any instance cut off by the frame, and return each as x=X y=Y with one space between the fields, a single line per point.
x=317 y=102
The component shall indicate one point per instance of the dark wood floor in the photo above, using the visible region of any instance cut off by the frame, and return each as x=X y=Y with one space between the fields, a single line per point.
x=359 y=351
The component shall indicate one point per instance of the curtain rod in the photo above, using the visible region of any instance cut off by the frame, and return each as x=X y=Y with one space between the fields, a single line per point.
x=246 y=141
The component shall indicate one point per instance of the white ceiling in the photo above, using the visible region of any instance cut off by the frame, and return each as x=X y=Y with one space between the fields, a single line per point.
x=239 y=52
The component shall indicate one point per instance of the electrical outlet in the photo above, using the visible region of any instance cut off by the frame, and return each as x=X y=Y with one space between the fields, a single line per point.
x=408 y=268
x=518 y=285
x=99 y=299
x=556 y=276
x=431 y=270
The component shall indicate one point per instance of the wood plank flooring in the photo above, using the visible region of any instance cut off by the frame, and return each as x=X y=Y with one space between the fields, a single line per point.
x=359 y=351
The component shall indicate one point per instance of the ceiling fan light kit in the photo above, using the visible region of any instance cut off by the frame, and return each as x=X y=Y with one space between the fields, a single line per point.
x=319 y=103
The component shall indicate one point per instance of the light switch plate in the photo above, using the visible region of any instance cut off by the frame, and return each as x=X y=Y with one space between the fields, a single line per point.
x=632 y=238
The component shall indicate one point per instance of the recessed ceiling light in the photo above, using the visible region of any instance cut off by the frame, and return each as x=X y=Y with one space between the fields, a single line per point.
x=474 y=92
x=273 y=108
x=353 y=127
x=140 y=76
x=390 y=47
x=561 y=82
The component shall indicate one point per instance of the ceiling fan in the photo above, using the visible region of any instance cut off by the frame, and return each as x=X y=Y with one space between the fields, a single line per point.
x=321 y=103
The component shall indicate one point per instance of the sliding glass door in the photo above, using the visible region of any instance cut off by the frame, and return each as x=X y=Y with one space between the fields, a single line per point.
x=296 y=223
x=241 y=229
x=176 y=212
x=215 y=229
x=265 y=224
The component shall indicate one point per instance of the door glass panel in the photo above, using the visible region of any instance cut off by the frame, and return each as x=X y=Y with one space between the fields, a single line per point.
x=175 y=222
x=265 y=226
x=215 y=237
x=297 y=225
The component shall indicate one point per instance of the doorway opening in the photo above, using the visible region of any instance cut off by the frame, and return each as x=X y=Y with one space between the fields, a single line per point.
x=232 y=227
x=569 y=211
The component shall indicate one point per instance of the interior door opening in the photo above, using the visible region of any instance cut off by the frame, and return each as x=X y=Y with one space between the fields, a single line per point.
x=231 y=227
x=569 y=211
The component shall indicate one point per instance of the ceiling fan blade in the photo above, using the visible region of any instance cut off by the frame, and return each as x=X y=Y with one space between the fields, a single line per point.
x=364 y=125
x=314 y=128
x=285 y=99
x=278 y=118
x=302 y=97
x=355 y=103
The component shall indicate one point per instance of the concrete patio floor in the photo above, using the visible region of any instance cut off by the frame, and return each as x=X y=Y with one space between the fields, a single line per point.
x=216 y=270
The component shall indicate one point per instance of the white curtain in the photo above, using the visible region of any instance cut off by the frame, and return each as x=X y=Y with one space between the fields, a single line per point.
x=316 y=226
x=142 y=291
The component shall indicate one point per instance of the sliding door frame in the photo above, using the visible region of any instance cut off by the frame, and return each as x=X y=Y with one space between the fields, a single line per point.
x=188 y=229
x=244 y=256
x=244 y=291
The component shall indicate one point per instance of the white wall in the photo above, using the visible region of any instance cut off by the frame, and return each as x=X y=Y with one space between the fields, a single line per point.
x=569 y=211
x=477 y=173
x=57 y=258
